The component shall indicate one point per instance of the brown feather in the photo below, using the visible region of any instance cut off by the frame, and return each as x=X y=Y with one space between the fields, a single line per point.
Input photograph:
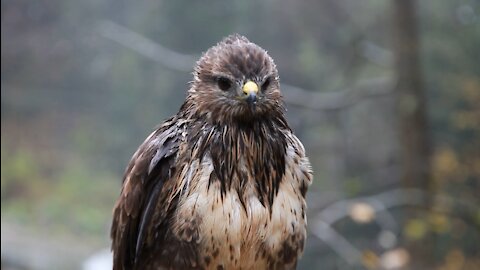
x=222 y=184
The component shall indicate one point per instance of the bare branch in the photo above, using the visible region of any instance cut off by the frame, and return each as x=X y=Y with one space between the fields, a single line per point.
x=337 y=242
x=322 y=224
x=295 y=96
x=146 y=47
x=337 y=100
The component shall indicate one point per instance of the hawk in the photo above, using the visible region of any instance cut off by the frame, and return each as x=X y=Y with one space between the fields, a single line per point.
x=221 y=184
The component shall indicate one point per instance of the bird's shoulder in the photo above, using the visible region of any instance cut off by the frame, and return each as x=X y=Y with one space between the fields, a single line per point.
x=297 y=163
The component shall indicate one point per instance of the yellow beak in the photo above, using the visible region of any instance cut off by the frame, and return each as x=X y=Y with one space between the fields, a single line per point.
x=250 y=88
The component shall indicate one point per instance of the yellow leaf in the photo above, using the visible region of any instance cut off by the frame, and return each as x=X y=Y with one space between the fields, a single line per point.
x=439 y=223
x=369 y=259
x=455 y=259
x=471 y=90
x=415 y=229
x=445 y=163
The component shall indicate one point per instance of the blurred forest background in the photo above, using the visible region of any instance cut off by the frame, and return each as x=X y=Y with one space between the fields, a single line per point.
x=384 y=94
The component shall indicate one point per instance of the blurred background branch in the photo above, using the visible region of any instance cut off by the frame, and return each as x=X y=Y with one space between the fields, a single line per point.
x=146 y=47
x=376 y=208
x=294 y=95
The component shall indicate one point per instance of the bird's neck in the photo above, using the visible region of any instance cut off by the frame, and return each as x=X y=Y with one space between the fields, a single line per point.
x=246 y=154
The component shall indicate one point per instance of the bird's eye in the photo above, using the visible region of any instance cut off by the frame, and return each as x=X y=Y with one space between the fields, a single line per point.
x=224 y=83
x=265 y=84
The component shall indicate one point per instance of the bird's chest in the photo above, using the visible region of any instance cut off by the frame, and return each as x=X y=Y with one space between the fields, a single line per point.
x=233 y=229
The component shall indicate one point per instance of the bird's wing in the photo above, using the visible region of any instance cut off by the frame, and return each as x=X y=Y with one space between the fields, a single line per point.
x=297 y=159
x=295 y=182
x=148 y=172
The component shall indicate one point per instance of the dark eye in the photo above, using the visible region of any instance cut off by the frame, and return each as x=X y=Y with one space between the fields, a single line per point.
x=224 y=83
x=265 y=84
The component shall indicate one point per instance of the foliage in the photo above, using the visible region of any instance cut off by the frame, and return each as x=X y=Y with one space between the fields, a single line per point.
x=71 y=199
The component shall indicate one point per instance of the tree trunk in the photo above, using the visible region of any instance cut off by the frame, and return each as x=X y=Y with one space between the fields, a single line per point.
x=413 y=124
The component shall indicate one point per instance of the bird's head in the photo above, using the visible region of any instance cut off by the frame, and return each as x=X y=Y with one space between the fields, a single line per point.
x=236 y=80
